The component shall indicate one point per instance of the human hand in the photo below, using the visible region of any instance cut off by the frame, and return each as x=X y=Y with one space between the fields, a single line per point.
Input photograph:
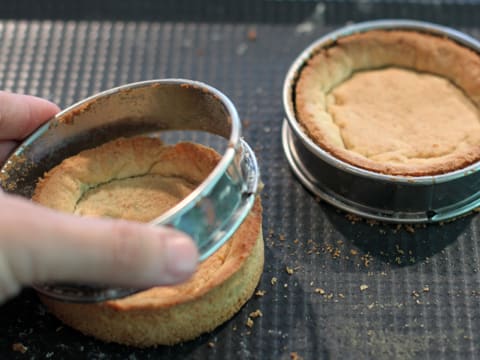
x=38 y=244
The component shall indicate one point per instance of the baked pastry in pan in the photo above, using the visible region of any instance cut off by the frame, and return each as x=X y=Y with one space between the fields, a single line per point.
x=138 y=179
x=396 y=102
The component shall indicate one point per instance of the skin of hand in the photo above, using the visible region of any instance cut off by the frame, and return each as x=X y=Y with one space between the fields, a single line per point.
x=39 y=244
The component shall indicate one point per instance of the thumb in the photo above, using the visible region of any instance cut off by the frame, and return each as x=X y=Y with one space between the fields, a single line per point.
x=21 y=114
x=38 y=244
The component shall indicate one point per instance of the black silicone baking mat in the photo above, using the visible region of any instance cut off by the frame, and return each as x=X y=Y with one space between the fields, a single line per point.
x=334 y=286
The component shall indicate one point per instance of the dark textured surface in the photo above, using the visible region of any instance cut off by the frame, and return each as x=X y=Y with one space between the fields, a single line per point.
x=423 y=289
x=458 y=12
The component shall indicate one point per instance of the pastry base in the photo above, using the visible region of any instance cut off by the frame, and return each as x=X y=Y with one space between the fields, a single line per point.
x=90 y=184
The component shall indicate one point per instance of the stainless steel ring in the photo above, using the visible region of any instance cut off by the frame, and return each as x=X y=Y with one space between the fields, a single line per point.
x=210 y=214
x=399 y=199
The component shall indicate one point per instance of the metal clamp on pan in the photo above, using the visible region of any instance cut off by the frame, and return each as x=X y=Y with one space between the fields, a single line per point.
x=210 y=214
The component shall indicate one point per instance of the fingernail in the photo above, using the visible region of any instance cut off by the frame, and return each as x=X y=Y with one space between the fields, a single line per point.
x=181 y=256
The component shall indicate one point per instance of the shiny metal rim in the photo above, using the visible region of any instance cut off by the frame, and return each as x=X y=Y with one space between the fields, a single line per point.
x=229 y=191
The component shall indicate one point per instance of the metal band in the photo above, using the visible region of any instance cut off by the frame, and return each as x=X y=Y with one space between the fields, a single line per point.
x=399 y=199
x=210 y=214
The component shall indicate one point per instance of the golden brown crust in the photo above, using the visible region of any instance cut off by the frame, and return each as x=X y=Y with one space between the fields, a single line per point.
x=378 y=49
x=157 y=317
x=62 y=187
x=170 y=314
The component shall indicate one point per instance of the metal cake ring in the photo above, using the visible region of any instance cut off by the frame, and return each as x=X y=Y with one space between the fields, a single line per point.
x=383 y=197
x=210 y=214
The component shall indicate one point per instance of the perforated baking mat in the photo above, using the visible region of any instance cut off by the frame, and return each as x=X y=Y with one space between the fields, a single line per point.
x=334 y=286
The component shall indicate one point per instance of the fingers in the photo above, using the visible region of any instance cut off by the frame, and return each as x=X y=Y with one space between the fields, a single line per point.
x=22 y=114
x=43 y=245
x=6 y=147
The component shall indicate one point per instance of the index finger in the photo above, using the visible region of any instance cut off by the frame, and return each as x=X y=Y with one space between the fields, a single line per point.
x=20 y=114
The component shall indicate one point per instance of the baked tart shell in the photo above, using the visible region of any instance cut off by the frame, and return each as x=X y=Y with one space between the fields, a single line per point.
x=355 y=163
x=161 y=315
x=434 y=140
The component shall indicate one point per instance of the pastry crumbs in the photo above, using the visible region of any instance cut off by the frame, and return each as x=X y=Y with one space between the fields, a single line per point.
x=295 y=356
x=249 y=322
x=367 y=258
x=19 y=347
x=252 y=34
x=320 y=291
x=363 y=287
x=353 y=218
x=289 y=270
x=274 y=280
x=255 y=314
x=400 y=251
x=409 y=228
x=260 y=293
